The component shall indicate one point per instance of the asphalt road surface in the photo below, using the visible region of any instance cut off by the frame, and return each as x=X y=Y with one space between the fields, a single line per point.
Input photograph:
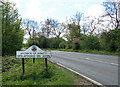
x=101 y=68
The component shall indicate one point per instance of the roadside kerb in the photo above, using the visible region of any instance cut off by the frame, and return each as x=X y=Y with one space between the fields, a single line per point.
x=93 y=81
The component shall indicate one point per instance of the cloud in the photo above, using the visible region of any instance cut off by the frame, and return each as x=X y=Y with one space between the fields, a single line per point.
x=95 y=10
x=29 y=8
x=33 y=9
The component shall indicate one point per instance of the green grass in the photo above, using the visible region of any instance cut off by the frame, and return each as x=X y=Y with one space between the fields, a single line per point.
x=89 y=51
x=85 y=51
x=37 y=74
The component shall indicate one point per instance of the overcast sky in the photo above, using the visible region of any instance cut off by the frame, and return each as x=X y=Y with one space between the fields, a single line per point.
x=39 y=10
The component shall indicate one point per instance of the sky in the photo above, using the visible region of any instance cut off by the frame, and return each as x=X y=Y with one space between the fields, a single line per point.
x=39 y=10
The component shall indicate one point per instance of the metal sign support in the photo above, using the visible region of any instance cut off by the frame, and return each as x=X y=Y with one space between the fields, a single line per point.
x=33 y=60
x=23 y=65
x=46 y=62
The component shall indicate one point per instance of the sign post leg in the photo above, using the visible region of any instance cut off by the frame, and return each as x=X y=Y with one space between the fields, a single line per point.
x=46 y=62
x=23 y=65
x=33 y=60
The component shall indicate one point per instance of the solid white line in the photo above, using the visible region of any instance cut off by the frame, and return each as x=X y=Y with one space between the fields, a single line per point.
x=95 y=82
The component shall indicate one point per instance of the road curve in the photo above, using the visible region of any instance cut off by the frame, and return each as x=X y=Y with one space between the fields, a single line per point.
x=101 y=68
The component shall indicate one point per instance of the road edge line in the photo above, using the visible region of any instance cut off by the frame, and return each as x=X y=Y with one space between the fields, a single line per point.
x=93 y=81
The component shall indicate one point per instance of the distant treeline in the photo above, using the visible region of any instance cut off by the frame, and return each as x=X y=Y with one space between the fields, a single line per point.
x=108 y=41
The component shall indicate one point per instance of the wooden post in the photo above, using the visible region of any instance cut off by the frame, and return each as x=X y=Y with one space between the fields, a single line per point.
x=23 y=65
x=33 y=60
x=46 y=62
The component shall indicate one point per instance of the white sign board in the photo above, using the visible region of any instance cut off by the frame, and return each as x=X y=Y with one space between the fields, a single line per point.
x=33 y=52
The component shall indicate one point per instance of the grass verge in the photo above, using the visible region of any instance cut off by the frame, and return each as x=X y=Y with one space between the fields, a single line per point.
x=37 y=74
x=89 y=51
x=84 y=51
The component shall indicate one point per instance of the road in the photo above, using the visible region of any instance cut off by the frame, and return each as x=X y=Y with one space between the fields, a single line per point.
x=101 y=68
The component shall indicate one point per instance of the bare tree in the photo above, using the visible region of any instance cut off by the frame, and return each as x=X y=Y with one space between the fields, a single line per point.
x=52 y=27
x=26 y=26
x=93 y=24
x=60 y=29
x=46 y=27
x=30 y=27
x=34 y=27
x=112 y=9
x=84 y=28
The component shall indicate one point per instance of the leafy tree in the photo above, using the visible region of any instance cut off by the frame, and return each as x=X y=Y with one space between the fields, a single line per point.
x=109 y=40
x=117 y=33
x=63 y=45
x=0 y=33
x=30 y=41
x=74 y=29
x=55 y=42
x=77 y=19
x=40 y=41
x=76 y=44
x=43 y=42
x=92 y=43
x=82 y=42
x=73 y=32
x=69 y=45
x=12 y=34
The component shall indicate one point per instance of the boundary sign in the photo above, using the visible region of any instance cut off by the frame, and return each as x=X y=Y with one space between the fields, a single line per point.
x=33 y=52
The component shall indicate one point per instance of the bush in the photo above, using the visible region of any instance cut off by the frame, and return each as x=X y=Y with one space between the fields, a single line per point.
x=63 y=45
x=109 y=41
x=92 y=43
x=55 y=42
x=8 y=62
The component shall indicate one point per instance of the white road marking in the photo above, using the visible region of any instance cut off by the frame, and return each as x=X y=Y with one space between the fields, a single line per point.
x=115 y=64
x=102 y=62
x=87 y=58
